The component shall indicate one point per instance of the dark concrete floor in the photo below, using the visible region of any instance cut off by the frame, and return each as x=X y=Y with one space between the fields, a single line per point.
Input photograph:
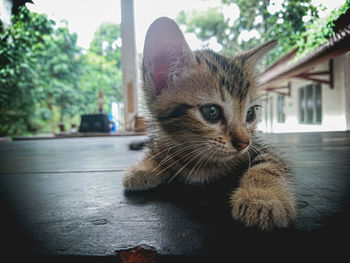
x=63 y=197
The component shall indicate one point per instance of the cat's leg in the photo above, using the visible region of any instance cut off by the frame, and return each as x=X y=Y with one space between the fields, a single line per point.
x=264 y=198
x=144 y=175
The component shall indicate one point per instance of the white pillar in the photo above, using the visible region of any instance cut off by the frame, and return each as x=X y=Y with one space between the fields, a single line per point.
x=129 y=63
x=347 y=88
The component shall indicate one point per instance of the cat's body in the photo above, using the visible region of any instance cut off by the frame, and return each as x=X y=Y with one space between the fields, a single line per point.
x=203 y=109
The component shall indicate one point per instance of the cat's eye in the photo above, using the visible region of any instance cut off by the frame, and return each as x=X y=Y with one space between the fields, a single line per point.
x=251 y=114
x=211 y=112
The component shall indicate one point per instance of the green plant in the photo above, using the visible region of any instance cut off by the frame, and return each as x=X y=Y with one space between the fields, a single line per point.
x=284 y=24
x=45 y=79
x=319 y=32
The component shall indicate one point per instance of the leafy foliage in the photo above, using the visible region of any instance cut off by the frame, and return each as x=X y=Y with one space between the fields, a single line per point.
x=319 y=32
x=284 y=24
x=100 y=75
x=103 y=67
x=206 y=24
x=45 y=79
x=106 y=42
x=19 y=47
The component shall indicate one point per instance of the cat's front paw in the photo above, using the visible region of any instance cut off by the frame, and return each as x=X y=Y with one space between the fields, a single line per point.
x=136 y=180
x=262 y=208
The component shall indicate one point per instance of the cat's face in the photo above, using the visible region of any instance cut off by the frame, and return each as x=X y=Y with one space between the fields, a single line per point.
x=199 y=97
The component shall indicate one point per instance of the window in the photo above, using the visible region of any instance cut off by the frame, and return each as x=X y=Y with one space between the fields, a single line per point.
x=301 y=105
x=310 y=104
x=281 y=111
x=318 y=102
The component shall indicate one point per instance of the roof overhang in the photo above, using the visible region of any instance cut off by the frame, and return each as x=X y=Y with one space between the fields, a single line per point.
x=335 y=46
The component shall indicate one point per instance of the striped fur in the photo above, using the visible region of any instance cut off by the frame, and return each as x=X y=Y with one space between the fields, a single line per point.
x=186 y=147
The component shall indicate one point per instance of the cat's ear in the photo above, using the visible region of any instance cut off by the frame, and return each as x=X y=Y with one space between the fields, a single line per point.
x=253 y=56
x=166 y=54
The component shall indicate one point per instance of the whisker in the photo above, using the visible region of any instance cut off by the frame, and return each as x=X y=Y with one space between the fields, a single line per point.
x=176 y=153
x=249 y=160
x=172 y=146
x=166 y=149
x=260 y=153
x=197 y=163
x=199 y=153
x=169 y=157
x=192 y=152
x=207 y=157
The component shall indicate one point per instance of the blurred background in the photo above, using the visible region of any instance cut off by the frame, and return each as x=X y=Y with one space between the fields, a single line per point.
x=62 y=59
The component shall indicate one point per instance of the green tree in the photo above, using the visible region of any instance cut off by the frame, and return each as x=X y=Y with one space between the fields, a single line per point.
x=106 y=42
x=102 y=64
x=100 y=75
x=39 y=74
x=19 y=46
x=45 y=79
x=284 y=24
x=60 y=68
x=206 y=24
x=319 y=32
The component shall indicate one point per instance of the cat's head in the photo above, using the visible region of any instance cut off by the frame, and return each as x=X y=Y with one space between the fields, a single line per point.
x=200 y=97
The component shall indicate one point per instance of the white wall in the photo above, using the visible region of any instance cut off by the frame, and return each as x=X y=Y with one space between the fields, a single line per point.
x=335 y=102
x=347 y=89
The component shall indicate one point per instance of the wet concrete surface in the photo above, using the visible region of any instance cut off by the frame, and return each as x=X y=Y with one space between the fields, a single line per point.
x=64 y=198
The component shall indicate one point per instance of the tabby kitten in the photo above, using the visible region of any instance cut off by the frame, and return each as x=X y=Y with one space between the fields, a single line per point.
x=203 y=107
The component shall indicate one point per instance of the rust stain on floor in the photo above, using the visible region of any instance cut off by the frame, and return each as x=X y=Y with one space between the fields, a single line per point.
x=137 y=255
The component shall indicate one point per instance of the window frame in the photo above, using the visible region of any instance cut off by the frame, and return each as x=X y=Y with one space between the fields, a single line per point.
x=281 y=108
x=310 y=104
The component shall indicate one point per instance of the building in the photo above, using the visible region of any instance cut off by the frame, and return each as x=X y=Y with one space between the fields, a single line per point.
x=312 y=93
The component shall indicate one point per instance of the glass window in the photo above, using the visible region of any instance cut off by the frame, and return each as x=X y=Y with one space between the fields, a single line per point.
x=310 y=104
x=318 y=102
x=281 y=111
x=301 y=106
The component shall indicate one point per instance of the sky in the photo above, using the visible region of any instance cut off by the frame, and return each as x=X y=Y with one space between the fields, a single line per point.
x=84 y=16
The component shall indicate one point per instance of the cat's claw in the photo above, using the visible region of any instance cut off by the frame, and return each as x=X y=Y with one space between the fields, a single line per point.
x=260 y=208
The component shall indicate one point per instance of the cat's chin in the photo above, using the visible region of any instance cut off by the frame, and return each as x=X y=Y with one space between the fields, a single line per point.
x=223 y=156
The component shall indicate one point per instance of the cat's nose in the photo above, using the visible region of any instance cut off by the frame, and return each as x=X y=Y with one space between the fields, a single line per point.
x=240 y=145
x=239 y=138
